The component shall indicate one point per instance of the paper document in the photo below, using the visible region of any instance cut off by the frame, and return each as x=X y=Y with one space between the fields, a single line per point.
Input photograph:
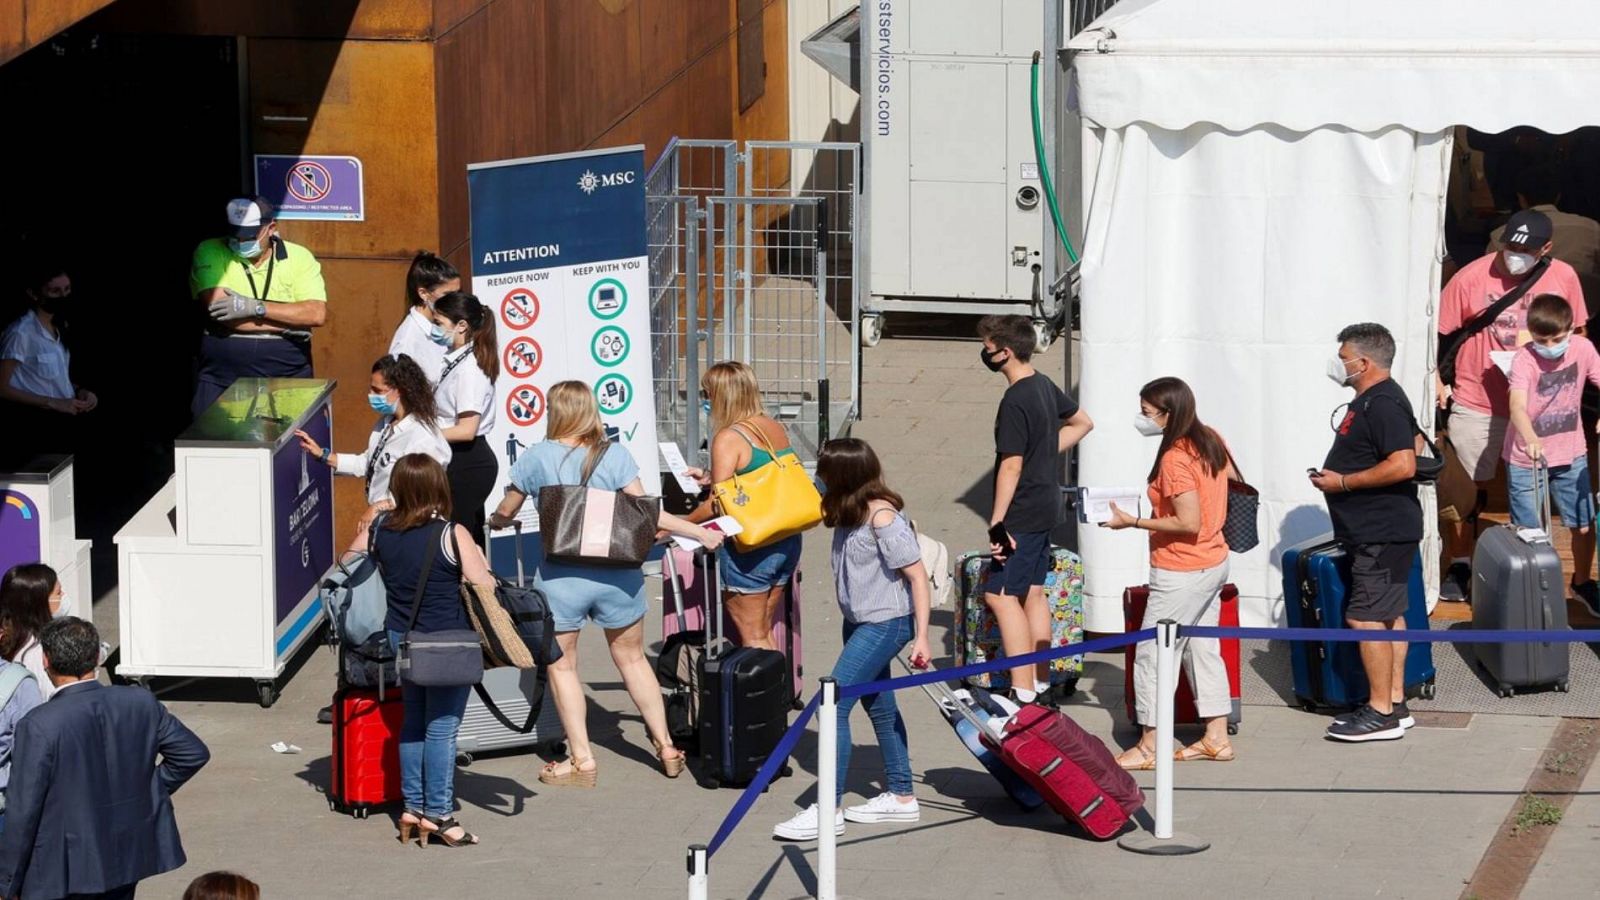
x=673 y=457
x=725 y=524
x=1094 y=504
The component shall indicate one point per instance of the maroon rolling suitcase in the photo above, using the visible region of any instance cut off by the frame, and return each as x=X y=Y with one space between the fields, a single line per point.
x=1070 y=768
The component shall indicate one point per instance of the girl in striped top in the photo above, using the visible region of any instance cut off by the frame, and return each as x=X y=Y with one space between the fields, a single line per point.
x=883 y=593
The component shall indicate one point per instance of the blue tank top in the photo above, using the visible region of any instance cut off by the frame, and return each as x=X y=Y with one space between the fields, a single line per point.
x=400 y=555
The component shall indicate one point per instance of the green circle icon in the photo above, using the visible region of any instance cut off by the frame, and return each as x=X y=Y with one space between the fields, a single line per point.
x=613 y=393
x=610 y=346
x=608 y=298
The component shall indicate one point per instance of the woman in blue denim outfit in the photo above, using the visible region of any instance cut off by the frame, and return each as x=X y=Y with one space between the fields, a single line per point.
x=421 y=516
x=753 y=581
x=575 y=451
x=883 y=593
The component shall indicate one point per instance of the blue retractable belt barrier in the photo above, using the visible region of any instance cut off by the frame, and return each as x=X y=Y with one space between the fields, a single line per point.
x=995 y=665
x=1452 y=636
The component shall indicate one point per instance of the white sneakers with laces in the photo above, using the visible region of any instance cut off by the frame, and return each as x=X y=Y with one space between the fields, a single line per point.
x=885 y=807
x=803 y=825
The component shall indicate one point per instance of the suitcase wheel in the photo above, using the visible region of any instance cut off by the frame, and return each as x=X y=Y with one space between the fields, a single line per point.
x=1233 y=727
x=1507 y=690
x=559 y=748
x=463 y=759
x=1561 y=687
x=359 y=812
x=1429 y=691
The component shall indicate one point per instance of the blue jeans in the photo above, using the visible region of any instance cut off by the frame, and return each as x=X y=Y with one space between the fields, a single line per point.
x=428 y=745
x=1569 y=495
x=868 y=648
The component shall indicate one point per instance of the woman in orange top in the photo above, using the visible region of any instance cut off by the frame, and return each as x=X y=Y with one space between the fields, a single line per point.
x=1188 y=563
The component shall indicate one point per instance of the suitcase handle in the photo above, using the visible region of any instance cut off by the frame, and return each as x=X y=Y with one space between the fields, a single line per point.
x=516 y=542
x=941 y=694
x=674 y=586
x=1541 y=485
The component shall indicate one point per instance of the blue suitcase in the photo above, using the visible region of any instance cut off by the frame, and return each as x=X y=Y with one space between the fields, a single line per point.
x=968 y=711
x=1316 y=576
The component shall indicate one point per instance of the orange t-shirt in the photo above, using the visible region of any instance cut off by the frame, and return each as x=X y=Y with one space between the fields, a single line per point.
x=1181 y=471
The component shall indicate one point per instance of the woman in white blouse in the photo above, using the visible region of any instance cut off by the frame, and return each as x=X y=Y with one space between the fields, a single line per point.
x=400 y=394
x=464 y=393
x=428 y=279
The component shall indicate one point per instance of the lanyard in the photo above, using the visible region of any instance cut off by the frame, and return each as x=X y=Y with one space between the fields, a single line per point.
x=272 y=260
x=451 y=366
x=377 y=452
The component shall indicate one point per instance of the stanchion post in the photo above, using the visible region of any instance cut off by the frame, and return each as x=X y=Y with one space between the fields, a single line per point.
x=827 y=787
x=1164 y=842
x=699 y=872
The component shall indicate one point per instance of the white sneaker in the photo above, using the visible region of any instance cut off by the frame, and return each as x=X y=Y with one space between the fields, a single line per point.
x=803 y=826
x=885 y=807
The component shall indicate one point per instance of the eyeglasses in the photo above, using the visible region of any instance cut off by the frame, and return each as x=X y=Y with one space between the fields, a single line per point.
x=1337 y=419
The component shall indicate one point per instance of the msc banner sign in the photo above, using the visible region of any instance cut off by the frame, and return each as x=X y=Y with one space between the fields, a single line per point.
x=558 y=250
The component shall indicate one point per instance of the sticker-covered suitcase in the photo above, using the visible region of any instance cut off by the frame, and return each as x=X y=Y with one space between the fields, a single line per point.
x=977 y=636
x=1316 y=581
x=1134 y=600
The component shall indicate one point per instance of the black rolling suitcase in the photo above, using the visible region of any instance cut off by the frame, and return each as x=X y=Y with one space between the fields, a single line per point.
x=1517 y=584
x=745 y=700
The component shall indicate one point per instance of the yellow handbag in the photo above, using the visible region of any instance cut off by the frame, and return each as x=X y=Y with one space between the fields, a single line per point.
x=770 y=503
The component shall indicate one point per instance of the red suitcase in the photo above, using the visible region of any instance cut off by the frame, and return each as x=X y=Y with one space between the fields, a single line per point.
x=366 y=750
x=1070 y=768
x=1134 y=600
x=691 y=571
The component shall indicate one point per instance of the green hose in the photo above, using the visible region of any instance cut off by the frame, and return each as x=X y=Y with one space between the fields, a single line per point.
x=1044 y=166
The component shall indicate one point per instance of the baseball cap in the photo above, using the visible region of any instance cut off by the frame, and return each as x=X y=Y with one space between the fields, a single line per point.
x=1528 y=231
x=246 y=215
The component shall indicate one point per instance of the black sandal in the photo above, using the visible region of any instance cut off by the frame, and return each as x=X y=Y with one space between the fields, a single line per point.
x=441 y=825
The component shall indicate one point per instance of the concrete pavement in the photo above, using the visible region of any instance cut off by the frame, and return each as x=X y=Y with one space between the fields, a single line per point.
x=1295 y=815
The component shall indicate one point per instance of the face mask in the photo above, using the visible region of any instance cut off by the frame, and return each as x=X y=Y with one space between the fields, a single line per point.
x=245 y=249
x=1339 y=372
x=381 y=404
x=1147 y=426
x=1555 y=351
x=55 y=306
x=439 y=336
x=1518 y=263
x=989 y=361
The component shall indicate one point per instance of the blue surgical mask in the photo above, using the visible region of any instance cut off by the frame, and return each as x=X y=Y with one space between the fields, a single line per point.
x=246 y=249
x=381 y=404
x=1555 y=351
x=439 y=336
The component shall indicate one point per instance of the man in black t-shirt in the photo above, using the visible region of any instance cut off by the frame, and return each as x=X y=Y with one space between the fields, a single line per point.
x=1036 y=423
x=1367 y=480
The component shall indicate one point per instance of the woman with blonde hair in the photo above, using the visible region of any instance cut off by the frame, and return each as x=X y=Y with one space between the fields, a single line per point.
x=746 y=439
x=575 y=451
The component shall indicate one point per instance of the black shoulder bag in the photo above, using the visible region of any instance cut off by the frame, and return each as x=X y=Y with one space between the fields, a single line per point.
x=1429 y=468
x=1450 y=344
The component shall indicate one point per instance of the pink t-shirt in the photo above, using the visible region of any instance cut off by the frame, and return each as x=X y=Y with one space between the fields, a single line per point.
x=1480 y=385
x=1555 y=401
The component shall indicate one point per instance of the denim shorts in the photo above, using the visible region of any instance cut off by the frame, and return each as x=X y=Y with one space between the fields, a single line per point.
x=1569 y=495
x=1026 y=567
x=758 y=571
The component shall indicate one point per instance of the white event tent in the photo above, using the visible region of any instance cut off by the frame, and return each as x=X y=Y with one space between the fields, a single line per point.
x=1257 y=175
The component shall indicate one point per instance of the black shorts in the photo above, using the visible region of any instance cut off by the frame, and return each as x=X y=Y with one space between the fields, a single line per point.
x=1026 y=567
x=1380 y=579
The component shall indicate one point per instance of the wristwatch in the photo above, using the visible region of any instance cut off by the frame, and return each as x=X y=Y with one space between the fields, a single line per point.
x=261 y=310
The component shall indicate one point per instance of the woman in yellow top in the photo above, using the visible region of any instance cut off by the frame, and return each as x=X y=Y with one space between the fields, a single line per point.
x=1188 y=563
x=746 y=439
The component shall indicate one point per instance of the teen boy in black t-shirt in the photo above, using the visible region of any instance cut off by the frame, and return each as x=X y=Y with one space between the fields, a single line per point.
x=1367 y=480
x=1036 y=423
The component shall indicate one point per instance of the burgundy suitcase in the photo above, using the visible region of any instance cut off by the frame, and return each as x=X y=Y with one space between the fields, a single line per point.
x=1134 y=600
x=1070 y=768
x=366 y=750
x=693 y=584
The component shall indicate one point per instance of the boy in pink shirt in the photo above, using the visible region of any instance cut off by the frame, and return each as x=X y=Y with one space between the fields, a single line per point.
x=1546 y=398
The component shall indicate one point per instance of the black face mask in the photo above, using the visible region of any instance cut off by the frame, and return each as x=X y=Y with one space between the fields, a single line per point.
x=989 y=361
x=56 y=306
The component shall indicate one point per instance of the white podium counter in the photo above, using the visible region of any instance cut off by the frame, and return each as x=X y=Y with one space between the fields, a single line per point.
x=37 y=524
x=219 y=571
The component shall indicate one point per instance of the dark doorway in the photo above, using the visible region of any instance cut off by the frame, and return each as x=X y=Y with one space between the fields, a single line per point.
x=122 y=150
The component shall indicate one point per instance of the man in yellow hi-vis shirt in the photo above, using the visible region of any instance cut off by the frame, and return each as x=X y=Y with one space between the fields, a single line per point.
x=264 y=296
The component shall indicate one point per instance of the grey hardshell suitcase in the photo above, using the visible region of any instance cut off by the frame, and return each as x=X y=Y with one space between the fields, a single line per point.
x=1517 y=584
x=512 y=693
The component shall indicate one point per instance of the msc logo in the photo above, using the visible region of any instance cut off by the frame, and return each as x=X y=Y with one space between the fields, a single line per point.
x=589 y=181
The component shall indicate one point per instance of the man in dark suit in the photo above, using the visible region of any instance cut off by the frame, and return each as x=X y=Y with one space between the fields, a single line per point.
x=84 y=765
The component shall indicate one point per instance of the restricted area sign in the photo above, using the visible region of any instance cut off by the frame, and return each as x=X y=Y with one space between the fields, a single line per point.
x=519 y=309
x=525 y=405
x=522 y=357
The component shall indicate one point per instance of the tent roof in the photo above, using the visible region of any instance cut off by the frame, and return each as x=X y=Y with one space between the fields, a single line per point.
x=1425 y=65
